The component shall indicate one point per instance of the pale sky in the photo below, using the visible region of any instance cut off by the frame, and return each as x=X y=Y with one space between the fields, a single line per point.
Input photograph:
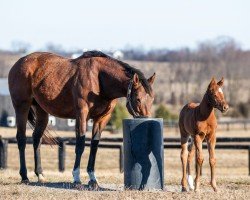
x=109 y=24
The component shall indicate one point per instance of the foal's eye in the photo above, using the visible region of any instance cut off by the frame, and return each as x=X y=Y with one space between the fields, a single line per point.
x=138 y=100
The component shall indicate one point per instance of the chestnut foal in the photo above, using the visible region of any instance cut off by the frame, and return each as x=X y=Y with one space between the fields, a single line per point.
x=199 y=122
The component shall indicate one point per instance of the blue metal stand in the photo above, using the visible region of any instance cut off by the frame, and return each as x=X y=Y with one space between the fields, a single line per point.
x=143 y=153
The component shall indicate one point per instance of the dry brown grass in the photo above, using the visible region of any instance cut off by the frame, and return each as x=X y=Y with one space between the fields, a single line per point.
x=232 y=176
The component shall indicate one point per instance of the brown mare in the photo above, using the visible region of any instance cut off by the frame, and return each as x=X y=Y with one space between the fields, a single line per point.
x=199 y=122
x=83 y=88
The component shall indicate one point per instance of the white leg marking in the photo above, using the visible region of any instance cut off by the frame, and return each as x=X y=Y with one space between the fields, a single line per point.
x=190 y=182
x=41 y=178
x=92 y=176
x=76 y=175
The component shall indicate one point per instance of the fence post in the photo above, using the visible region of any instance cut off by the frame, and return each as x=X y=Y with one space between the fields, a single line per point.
x=228 y=126
x=61 y=156
x=245 y=126
x=121 y=159
x=3 y=153
x=249 y=161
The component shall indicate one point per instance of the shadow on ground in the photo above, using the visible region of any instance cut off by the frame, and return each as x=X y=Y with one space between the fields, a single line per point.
x=68 y=186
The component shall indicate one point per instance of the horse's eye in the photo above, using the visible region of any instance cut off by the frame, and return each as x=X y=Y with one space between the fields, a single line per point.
x=138 y=100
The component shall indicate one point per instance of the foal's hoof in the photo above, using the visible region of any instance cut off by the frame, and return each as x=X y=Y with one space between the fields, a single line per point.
x=183 y=189
x=93 y=185
x=215 y=189
x=41 y=179
x=25 y=181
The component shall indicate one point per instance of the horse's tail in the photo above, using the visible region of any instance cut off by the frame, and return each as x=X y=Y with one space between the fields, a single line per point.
x=47 y=137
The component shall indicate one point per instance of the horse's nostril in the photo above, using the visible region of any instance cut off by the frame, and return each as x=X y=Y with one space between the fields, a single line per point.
x=225 y=107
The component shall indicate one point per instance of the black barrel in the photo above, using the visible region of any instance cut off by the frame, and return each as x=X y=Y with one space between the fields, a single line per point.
x=143 y=153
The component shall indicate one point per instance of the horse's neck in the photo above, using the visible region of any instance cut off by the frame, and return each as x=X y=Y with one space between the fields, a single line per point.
x=115 y=82
x=205 y=109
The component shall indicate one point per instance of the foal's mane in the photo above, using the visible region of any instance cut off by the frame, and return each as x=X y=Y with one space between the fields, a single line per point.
x=129 y=69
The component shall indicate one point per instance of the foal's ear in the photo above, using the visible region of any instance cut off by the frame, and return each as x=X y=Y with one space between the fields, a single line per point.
x=212 y=84
x=151 y=79
x=136 y=80
x=221 y=82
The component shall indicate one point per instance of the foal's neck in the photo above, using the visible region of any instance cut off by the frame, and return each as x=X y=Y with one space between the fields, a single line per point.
x=205 y=109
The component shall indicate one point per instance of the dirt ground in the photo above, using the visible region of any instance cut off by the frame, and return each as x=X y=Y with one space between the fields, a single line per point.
x=231 y=172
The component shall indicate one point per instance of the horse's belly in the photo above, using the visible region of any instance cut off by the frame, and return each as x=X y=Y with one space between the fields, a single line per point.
x=54 y=101
x=59 y=107
x=52 y=89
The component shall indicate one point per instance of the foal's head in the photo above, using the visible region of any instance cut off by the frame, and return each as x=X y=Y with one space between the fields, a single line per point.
x=141 y=98
x=215 y=95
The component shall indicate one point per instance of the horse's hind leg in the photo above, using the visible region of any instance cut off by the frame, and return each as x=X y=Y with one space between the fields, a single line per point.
x=191 y=151
x=184 y=156
x=22 y=111
x=41 y=124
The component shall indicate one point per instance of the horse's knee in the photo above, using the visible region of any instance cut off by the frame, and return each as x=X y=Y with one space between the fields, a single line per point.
x=200 y=160
x=80 y=144
x=184 y=154
x=212 y=161
x=21 y=142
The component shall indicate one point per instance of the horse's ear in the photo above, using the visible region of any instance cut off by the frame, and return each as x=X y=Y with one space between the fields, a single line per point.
x=221 y=82
x=136 y=80
x=212 y=83
x=151 y=79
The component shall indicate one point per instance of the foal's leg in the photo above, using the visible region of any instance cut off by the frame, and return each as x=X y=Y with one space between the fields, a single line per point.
x=184 y=156
x=21 y=119
x=191 y=151
x=41 y=124
x=212 y=161
x=198 y=144
x=81 y=128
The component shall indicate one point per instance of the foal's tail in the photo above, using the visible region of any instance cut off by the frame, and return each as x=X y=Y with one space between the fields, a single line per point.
x=47 y=137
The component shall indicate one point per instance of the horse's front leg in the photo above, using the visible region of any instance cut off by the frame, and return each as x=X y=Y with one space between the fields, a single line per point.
x=212 y=161
x=199 y=160
x=99 y=125
x=96 y=135
x=81 y=128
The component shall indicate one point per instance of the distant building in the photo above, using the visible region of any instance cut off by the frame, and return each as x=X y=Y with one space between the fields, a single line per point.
x=118 y=54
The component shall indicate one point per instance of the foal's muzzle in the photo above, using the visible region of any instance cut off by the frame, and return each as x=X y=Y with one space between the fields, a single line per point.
x=225 y=108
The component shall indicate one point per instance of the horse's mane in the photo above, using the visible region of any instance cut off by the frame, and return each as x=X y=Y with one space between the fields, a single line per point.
x=129 y=69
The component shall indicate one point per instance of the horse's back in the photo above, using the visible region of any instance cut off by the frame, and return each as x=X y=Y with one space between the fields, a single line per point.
x=46 y=77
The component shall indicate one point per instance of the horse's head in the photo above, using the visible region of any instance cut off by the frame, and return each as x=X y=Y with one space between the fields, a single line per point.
x=140 y=96
x=216 y=96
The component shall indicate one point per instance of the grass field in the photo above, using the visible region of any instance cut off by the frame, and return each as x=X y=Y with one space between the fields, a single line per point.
x=232 y=175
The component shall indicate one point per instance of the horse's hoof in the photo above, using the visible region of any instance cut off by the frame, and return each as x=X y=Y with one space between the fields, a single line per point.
x=93 y=185
x=183 y=189
x=77 y=182
x=41 y=179
x=215 y=189
x=197 y=190
x=25 y=181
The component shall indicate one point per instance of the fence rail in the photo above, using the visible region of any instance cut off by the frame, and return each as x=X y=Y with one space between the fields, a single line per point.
x=244 y=123
x=232 y=143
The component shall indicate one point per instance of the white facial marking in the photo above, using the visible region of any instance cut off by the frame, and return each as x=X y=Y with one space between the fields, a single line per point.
x=220 y=90
x=76 y=175
x=92 y=176
x=190 y=182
